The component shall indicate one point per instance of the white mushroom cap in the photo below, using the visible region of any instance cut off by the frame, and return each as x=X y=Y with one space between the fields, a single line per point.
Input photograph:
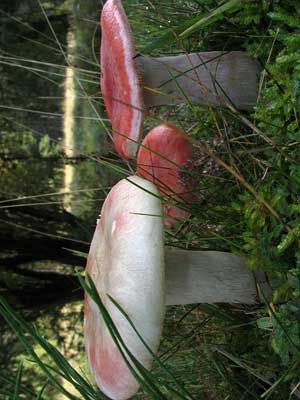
x=126 y=261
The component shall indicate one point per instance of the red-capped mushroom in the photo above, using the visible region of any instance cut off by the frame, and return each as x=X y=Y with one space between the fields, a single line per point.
x=217 y=78
x=120 y=84
x=165 y=154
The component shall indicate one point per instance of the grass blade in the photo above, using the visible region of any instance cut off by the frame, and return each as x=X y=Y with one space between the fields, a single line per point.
x=188 y=27
x=22 y=330
x=18 y=382
x=230 y=6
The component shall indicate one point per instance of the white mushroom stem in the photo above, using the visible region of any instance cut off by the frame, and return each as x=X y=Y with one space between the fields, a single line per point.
x=211 y=277
x=205 y=78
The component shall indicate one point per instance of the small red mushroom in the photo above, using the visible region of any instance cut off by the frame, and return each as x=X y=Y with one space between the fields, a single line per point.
x=120 y=86
x=164 y=155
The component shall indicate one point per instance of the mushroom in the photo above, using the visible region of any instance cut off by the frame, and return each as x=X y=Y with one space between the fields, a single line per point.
x=126 y=261
x=216 y=78
x=212 y=77
x=163 y=157
x=120 y=84
x=195 y=276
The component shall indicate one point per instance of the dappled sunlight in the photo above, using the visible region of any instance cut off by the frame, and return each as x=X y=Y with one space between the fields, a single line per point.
x=71 y=332
x=68 y=124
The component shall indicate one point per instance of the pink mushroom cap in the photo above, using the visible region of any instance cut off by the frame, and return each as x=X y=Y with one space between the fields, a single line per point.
x=126 y=261
x=165 y=154
x=120 y=84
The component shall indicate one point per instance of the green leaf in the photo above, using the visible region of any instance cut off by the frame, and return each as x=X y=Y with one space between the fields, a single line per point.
x=293 y=281
x=265 y=323
x=279 y=294
x=44 y=146
x=48 y=148
x=286 y=242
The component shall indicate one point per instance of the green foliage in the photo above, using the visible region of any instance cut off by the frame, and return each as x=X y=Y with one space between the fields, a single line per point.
x=283 y=327
x=28 y=164
x=188 y=27
x=46 y=148
x=268 y=31
x=15 y=144
x=273 y=243
x=26 y=144
x=38 y=357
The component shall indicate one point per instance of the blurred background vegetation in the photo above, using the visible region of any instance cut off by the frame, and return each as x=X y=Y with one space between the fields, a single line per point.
x=57 y=165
